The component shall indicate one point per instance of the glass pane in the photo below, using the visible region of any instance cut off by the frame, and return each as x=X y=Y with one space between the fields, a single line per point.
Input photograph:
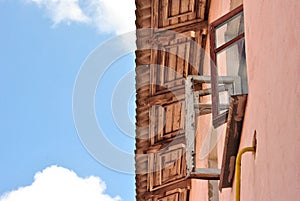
x=229 y=29
x=224 y=101
x=232 y=72
x=229 y=60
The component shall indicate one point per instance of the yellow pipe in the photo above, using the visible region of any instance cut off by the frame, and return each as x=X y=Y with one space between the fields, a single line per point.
x=238 y=170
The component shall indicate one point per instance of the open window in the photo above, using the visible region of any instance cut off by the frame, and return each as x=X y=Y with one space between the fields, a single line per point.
x=228 y=62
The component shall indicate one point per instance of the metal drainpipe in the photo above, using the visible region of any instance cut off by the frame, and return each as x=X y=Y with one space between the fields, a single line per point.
x=238 y=170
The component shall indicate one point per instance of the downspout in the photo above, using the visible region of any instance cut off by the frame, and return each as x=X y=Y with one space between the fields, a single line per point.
x=238 y=170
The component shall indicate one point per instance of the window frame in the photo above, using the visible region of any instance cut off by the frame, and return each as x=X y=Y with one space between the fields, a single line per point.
x=220 y=118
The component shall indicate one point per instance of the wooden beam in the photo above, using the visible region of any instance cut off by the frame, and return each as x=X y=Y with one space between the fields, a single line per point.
x=206 y=173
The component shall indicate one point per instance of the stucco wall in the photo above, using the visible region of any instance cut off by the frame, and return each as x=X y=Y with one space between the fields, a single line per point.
x=273 y=110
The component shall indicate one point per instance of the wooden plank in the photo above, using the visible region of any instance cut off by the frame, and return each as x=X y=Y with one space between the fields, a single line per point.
x=162 y=144
x=182 y=118
x=206 y=173
x=155 y=17
x=165 y=171
x=157 y=173
x=153 y=70
x=232 y=139
x=174 y=6
x=174 y=83
x=186 y=59
x=177 y=116
x=160 y=123
x=185 y=25
x=166 y=98
x=171 y=65
x=193 y=70
x=184 y=8
x=177 y=186
x=163 y=10
x=192 y=6
x=169 y=119
x=180 y=61
x=160 y=69
x=209 y=106
x=152 y=123
x=150 y=169
x=179 y=169
x=173 y=90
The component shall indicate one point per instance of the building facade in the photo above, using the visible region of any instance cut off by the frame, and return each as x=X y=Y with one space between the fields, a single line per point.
x=212 y=78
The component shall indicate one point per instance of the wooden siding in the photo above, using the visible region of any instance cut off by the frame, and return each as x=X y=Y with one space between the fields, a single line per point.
x=173 y=58
x=179 y=191
x=170 y=13
x=166 y=167
x=166 y=121
x=161 y=173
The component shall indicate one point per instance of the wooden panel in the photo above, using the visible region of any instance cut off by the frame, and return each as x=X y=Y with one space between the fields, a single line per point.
x=178 y=190
x=171 y=195
x=171 y=68
x=166 y=167
x=167 y=13
x=167 y=121
x=232 y=139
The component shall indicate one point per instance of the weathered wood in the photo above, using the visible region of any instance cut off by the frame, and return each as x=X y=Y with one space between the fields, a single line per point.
x=179 y=186
x=166 y=142
x=209 y=106
x=184 y=8
x=206 y=173
x=232 y=139
x=161 y=120
x=187 y=59
x=169 y=183
x=169 y=118
x=177 y=116
x=174 y=13
x=189 y=125
x=171 y=64
x=166 y=166
x=166 y=98
x=180 y=62
x=195 y=25
x=168 y=13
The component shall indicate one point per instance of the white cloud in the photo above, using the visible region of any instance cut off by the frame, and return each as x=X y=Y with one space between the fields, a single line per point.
x=108 y=16
x=60 y=184
x=113 y=15
x=62 y=10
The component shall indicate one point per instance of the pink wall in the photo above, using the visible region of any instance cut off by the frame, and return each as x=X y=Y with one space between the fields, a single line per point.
x=273 y=110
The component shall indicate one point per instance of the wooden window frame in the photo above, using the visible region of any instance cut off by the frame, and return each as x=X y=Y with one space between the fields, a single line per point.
x=219 y=119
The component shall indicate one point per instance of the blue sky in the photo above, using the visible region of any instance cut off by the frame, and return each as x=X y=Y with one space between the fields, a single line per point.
x=39 y=61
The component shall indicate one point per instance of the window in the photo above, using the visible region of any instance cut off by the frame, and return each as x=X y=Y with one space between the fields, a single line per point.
x=228 y=62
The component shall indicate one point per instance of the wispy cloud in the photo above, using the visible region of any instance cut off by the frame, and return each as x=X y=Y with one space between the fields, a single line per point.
x=108 y=16
x=113 y=15
x=62 y=10
x=60 y=184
